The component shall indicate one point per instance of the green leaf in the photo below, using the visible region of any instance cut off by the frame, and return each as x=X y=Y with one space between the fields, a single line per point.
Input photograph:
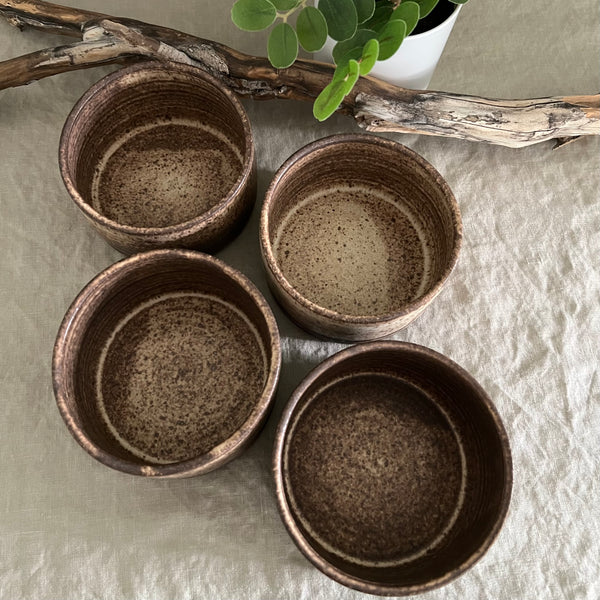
x=282 y=47
x=352 y=48
x=253 y=15
x=390 y=38
x=328 y=100
x=341 y=18
x=364 y=9
x=369 y=56
x=352 y=54
x=332 y=95
x=352 y=76
x=312 y=29
x=285 y=4
x=380 y=17
x=426 y=6
x=459 y=1
x=409 y=13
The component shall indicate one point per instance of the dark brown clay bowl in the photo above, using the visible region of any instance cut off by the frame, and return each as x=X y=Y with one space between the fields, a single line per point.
x=166 y=364
x=358 y=235
x=160 y=155
x=392 y=468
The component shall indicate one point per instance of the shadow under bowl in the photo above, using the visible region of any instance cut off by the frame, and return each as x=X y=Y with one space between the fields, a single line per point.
x=393 y=469
x=166 y=364
x=358 y=235
x=160 y=155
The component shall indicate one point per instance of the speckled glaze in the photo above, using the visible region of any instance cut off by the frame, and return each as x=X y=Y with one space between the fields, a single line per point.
x=166 y=364
x=392 y=468
x=358 y=235
x=160 y=155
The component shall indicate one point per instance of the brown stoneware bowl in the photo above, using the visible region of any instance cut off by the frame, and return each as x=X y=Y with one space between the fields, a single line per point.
x=166 y=364
x=392 y=468
x=358 y=235
x=160 y=155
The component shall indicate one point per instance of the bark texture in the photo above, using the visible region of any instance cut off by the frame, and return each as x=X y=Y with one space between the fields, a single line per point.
x=374 y=104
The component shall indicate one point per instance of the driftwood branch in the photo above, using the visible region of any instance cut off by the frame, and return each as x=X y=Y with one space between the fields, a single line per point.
x=375 y=105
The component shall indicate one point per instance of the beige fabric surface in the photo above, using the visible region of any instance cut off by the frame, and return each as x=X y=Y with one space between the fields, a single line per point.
x=521 y=313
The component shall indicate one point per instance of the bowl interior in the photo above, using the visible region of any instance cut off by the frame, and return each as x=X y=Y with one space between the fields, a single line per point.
x=166 y=361
x=154 y=147
x=362 y=228
x=394 y=471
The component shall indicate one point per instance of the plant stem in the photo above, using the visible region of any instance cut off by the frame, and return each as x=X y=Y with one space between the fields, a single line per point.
x=284 y=16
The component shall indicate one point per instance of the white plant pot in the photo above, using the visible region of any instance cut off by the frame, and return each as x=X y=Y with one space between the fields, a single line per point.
x=414 y=63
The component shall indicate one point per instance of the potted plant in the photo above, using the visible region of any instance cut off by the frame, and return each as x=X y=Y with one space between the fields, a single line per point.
x=357 y=33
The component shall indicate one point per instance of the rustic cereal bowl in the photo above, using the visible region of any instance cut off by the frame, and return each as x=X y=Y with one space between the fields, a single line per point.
x=160 y=155
x=166 y=364
x=358 y=235
x=392 y=467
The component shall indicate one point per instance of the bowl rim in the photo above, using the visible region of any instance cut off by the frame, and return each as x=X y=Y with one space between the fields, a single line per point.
x=286 y=512
x=268 y=255
x=100 y=286
x=174 y=231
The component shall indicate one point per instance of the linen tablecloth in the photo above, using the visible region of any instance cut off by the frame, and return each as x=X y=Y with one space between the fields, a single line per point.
x=521 y=312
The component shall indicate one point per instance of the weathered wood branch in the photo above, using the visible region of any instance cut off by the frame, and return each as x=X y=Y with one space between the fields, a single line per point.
x=375 y=105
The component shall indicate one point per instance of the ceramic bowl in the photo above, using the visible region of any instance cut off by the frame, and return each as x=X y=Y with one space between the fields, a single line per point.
x=166 y=364
x=392 y=467
x=160 y=155
x=358 y=235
